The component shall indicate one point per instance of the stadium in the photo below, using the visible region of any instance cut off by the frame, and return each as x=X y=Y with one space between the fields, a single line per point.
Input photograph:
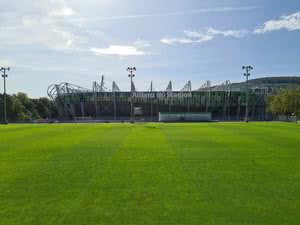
x=224 y=102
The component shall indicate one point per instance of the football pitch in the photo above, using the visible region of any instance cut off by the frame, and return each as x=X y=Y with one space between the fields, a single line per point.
x=149 y=174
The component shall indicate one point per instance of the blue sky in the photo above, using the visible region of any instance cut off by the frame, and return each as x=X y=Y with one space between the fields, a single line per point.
x=52 y=41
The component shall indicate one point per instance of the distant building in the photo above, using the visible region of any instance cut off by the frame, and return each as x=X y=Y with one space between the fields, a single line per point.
x=225 y=102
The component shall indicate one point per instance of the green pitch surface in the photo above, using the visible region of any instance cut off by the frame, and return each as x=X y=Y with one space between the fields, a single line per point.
x=110 y=174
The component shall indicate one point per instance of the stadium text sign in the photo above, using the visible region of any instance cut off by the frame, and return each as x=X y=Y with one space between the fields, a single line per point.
x=162 y=95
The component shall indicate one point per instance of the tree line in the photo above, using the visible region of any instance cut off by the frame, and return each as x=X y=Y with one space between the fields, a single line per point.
x=22 y=108
x=285 y=103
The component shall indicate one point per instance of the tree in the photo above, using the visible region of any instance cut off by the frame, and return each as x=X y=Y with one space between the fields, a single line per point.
x=286 y=102
x=22 y=108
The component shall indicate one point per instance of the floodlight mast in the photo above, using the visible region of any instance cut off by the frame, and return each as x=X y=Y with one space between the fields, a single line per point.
x=131 y=74
x=4 y=75
x=247 y=75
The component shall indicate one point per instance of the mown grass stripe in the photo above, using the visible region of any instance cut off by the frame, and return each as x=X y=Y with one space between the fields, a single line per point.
x=210 y=174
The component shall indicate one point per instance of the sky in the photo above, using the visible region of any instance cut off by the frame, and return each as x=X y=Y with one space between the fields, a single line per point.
x=47 y=42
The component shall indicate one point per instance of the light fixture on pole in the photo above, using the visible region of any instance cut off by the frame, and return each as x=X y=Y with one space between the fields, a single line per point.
x=247 y=75
x=4 y=75
x=131 y=74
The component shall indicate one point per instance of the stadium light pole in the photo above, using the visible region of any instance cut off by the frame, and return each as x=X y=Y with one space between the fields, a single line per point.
x=4 y=75
x=131 y=74
x=247 y=75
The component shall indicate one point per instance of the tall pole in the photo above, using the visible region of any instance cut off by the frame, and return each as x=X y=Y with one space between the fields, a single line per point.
x=247 y=75
x=4 y=75
x=131 y=74
x=115 y=114
x=151 y=107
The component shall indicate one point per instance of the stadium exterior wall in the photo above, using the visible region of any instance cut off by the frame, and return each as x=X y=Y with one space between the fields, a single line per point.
x=184 y=117
x=115 y=105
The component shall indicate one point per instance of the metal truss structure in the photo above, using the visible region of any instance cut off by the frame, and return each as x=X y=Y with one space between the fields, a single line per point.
x=187 y=87
x=66 y=94
x=65 y=88
x=99 y=87
x=169 y=87
x=62 y=90
x=115 y=87
x=151 y=89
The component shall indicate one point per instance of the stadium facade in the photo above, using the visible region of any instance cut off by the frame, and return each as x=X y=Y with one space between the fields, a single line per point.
x=224 y=103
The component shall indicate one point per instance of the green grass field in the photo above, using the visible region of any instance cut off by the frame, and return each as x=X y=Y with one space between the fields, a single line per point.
x=111 y=174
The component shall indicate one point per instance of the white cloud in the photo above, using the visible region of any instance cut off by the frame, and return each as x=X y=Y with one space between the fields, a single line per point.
x=290 y=23
x=171 y=41
x=42 y=31
x=43 y=24
x=69 y=43
x=198 y=35
x=6 y=63
x=207 y=35
x=64 y=12
x=119 y=50
x=226 y=33
x=142 y=43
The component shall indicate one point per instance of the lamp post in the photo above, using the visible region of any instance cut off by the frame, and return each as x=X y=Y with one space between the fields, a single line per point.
x=4 y=75
x=247 y=75
x=131 y=74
